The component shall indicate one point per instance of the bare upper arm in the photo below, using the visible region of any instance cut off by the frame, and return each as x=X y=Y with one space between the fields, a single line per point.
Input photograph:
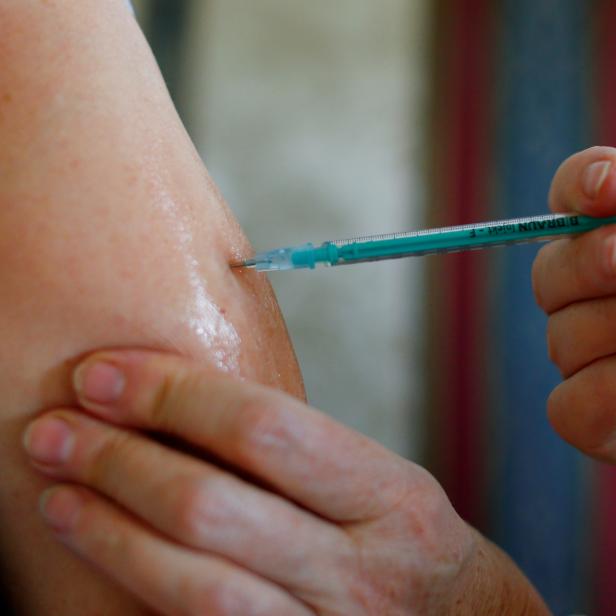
x=111 y=233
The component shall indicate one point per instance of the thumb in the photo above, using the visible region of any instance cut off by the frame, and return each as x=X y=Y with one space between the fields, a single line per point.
x=586 y=183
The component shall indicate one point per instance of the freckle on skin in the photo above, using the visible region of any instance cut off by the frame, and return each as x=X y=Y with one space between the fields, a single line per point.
x=7 y=98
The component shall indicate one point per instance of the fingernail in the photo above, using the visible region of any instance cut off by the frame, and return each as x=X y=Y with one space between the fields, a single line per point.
x=49 y=440
x=594 y=176
x=98 y=382
x=60 y=507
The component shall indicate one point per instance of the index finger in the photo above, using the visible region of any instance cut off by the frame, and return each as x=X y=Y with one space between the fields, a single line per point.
x=300 y=452
x=573 y=270
x=584 y=267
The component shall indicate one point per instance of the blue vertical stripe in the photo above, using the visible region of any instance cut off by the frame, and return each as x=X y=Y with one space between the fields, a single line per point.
x=539 y=484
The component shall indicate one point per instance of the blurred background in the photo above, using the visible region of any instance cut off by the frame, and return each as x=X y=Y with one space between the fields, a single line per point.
x=334 y=118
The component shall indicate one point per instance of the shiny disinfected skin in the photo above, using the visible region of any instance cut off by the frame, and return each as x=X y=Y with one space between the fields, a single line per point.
x=111 y=234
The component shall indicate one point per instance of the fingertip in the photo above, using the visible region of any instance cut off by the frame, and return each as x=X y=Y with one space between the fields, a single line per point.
x=60 y=506
x=594 y=177
x=101 y=377
x=563 y=411
x=604 y=202
x=98 y=381
x=580 y=409
x=106 y=381
x=586 y=183
x=537 y=276
x=120 y=385
x=553 y=408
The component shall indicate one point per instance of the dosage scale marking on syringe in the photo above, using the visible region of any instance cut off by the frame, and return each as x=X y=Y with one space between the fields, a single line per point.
x=424 y=242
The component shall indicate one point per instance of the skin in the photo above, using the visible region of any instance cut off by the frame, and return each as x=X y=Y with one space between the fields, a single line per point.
x=289 y=512
x=208 y=487
x=575 y=284
x=111 y=233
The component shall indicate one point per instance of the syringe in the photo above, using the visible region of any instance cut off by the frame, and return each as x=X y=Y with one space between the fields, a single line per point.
x=429 y=241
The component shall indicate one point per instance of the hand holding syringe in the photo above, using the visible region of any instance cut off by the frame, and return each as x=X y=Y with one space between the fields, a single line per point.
x=575 y=284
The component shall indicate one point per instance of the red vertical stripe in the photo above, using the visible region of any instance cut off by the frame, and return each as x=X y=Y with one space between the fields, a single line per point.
x=605 y=578
x=465 y=112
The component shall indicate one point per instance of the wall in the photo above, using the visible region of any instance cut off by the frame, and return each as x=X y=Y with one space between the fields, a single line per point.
x=310 y=118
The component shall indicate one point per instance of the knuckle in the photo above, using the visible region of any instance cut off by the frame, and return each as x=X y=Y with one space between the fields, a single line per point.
x=559 y=416
x=553 y=340
x=592 y=330
x=168 y=395
x=427 y=510
x=542 y=272
x=198 y=599
x=231 y=601
x=581 y=274
x=605 y=253
x=536 y=277
x=261 y=427
x=116 y=445
x=198 y=508
x=555 y=408
x=580 y=409
x=218 y=599
x=595 y=415
x=175 y=390
x=104 y=541
x=593 y=261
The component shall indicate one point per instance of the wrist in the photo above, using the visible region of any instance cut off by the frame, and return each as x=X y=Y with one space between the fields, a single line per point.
x=491 y=584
